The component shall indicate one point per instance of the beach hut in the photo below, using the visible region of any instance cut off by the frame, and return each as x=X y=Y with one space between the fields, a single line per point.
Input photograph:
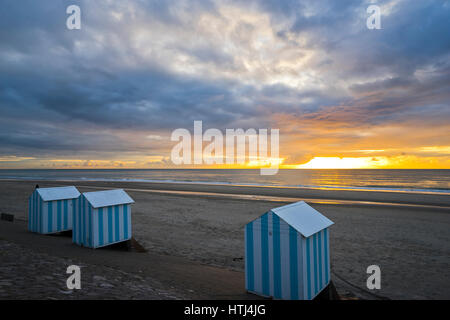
x=102 y=218
x=50 y=210
x=287 y=253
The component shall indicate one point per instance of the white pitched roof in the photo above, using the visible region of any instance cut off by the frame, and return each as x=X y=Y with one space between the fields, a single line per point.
x=302 y=217
x=99 y=199
x=59 y=193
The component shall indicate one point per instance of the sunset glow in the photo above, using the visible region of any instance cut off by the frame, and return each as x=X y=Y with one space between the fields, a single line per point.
x=343 y=163
x=110 y=94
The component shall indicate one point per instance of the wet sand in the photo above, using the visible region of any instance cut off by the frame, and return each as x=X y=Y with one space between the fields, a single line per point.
x=407 y=235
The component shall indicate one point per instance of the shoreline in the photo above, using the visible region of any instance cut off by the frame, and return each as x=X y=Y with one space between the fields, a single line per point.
x=280 y=199
x=430 y=191
x=273 y=194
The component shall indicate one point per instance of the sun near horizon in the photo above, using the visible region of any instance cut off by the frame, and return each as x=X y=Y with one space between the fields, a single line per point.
x=317 y=162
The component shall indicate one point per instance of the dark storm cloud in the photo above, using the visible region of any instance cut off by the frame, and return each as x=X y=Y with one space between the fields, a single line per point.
x=64 y=90
x=414 y=38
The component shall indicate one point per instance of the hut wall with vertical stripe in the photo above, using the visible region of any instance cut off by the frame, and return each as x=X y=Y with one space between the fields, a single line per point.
x=98 y=227
x=49 y=216
x=282 y=263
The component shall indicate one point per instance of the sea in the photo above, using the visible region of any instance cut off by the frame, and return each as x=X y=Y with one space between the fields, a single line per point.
x=404 y=180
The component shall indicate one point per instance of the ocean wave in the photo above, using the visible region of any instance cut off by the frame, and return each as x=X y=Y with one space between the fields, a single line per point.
x=405 y=189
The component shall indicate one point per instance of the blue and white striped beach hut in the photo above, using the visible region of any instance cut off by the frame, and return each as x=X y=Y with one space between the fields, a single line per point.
x=287 y=253
x=50 y=210
x=102 y=218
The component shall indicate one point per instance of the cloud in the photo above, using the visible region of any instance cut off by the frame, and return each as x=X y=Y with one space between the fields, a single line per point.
x=140 y=69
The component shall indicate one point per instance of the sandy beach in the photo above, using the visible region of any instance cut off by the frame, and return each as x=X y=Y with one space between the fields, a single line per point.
x=198 y=231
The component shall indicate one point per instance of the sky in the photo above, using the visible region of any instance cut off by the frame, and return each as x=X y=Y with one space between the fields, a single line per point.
x=110 y=94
